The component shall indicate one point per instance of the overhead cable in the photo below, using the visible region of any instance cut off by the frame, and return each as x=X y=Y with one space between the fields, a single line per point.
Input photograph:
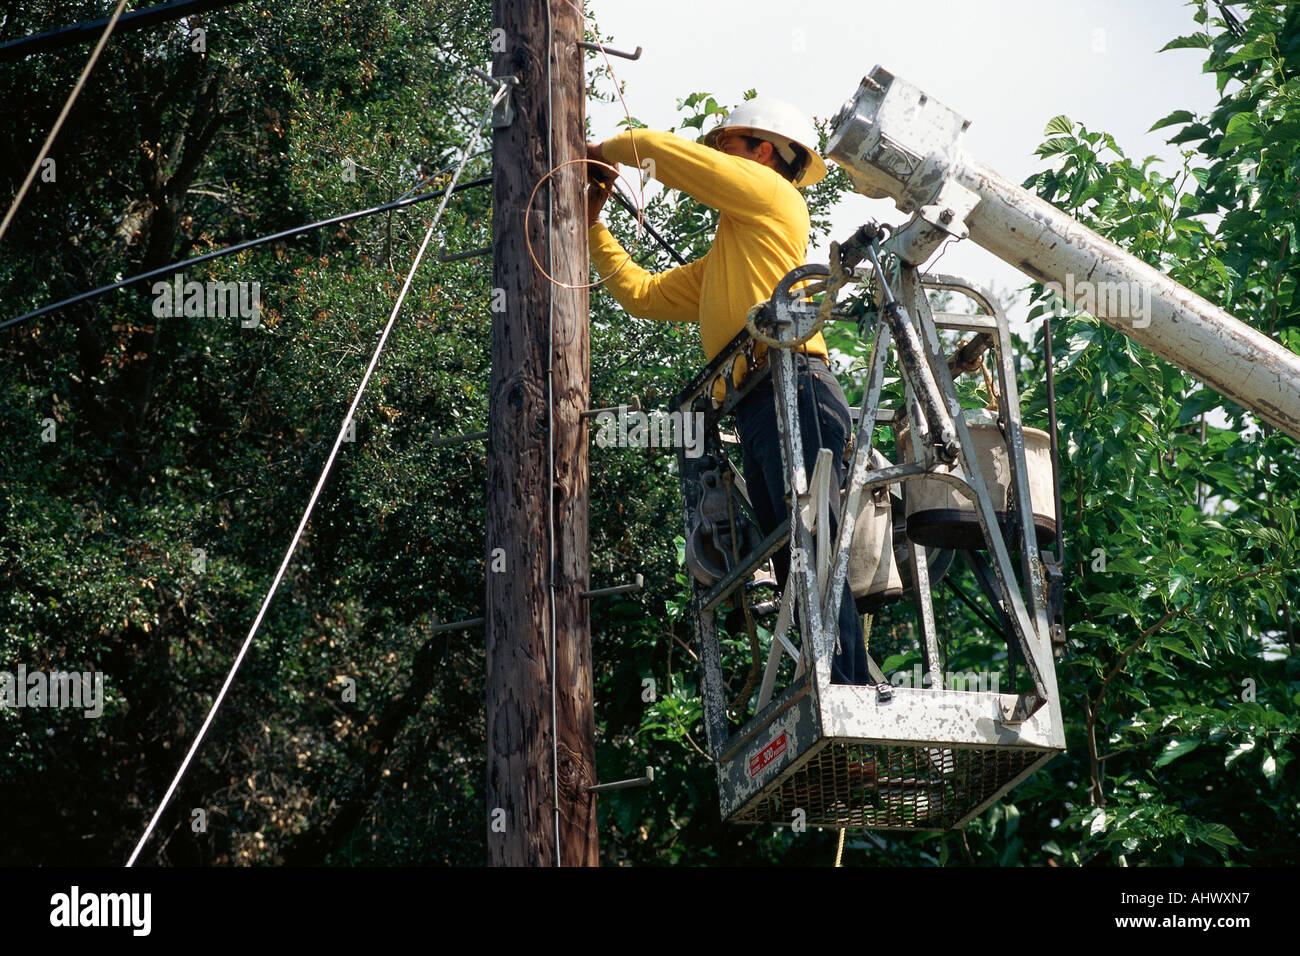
x=58 y=123
x=240 y=247
x=320 y=484
x=84 y=32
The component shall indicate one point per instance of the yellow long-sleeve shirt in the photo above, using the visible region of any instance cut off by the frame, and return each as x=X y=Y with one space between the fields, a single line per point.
x=762 y=234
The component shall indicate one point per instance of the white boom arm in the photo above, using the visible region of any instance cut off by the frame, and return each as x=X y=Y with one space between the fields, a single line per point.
x=894 y=140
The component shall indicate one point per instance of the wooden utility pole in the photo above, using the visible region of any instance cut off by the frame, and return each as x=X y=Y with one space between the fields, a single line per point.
x=537 y=563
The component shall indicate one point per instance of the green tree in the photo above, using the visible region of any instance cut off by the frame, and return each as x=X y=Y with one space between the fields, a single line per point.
x=141 y=540
x=1181 y=678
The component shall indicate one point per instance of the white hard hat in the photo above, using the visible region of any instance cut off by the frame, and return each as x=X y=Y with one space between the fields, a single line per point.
x=781 y=124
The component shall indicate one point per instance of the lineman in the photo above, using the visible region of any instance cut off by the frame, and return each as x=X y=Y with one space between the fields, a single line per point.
x=747 y=169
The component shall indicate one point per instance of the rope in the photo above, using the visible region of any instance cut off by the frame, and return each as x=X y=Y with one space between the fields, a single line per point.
x=839 y=277
x=743 y=599
x=550 y=159
x=315 y=495
x=839 y=849
x=994 y=398
x=58 y=123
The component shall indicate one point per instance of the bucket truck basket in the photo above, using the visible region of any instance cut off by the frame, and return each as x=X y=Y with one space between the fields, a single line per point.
x=794 y=749
x=923 y=760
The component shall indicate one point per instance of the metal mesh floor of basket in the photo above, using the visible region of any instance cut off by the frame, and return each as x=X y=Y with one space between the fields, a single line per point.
x=876 y=786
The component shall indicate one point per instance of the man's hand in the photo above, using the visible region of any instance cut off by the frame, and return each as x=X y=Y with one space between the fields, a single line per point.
x=597 y=193
x=600 y=181
x=594 y=153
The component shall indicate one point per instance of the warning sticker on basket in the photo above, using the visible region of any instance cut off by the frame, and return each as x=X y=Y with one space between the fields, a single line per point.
x=766 y=755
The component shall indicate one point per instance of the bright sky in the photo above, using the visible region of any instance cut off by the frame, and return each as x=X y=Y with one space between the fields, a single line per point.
x=1006 y=65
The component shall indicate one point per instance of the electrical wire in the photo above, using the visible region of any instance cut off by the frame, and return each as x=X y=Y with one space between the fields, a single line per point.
x=528 y=242
x=550 y=413
x=442 y=172
x=238 y=247
x=401 y=202
x=950 y=241
x=550 y=369
x=320 y=484
x=58 y=123
x=654 y=233
x=81 y=32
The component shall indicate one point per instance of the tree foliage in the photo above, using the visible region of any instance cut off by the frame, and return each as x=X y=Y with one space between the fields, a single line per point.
x=140 y=541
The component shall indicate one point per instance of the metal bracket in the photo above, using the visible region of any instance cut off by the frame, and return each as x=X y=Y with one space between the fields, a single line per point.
x=933 y=223
x=503 y=113
x=1055 y=597
x=1026 y=704
x=791 y=316
x=599 y=48
x=624 y=784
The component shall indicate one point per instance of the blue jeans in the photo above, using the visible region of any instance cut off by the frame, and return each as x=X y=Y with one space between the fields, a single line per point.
x=823 y=412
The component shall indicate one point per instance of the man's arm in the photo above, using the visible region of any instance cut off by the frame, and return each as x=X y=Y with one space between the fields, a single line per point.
x=737 y=186
x=672 y=296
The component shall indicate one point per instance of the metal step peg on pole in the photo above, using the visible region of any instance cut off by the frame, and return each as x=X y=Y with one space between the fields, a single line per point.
x=459 y=439
x=624 y=784
x=599 y=48
x=468 y=254
x=636 y=585
x=466 y=625
x=633 y=404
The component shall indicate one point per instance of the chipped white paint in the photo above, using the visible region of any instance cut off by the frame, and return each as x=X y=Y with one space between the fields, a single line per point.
x=895 y=141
